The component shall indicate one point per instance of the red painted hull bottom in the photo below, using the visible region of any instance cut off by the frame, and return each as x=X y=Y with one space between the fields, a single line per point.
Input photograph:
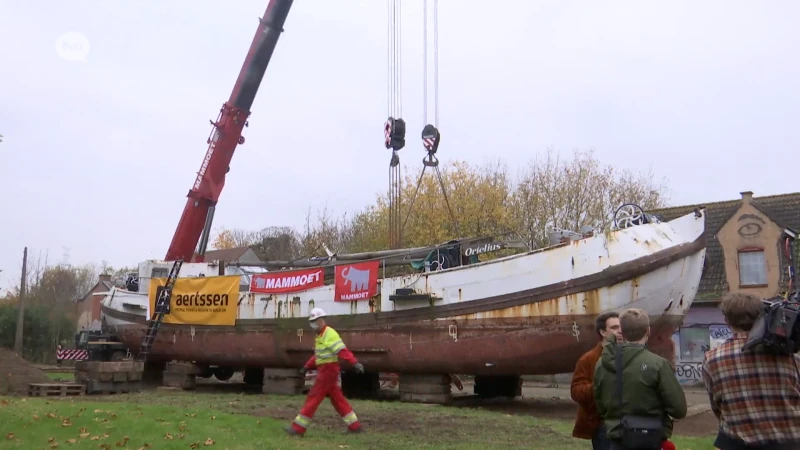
x=478 y=347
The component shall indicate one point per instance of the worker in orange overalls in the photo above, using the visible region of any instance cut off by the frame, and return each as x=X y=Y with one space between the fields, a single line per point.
x=328 y=347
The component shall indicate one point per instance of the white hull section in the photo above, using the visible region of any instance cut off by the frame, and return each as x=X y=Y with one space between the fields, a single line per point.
x=669 y=290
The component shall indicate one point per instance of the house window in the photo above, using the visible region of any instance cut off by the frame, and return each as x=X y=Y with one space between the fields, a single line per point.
x=752 y=267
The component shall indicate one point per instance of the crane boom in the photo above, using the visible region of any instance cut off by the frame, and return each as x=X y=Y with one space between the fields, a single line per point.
x=198 y=214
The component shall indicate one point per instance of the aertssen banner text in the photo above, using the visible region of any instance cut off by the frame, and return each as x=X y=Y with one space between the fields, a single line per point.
x=199 y=301
x=283 y=282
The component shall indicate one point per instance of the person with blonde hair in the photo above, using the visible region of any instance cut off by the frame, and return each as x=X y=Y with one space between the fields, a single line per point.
x=636 y=392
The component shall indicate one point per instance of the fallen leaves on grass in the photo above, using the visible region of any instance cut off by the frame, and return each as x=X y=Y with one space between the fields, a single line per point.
x=10 y=436
x=168 y=437
x=208 y=442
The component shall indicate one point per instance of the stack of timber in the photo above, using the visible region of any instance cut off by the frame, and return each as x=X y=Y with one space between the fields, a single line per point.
x=425 y=389
x=283 y=382
x=181 y=375
x=55 y=389
x=101 y=377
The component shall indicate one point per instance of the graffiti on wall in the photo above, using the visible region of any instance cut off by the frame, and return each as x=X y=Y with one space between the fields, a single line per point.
x=751 y=228
x=717 y=334
x=691 y=343
x=689 y=372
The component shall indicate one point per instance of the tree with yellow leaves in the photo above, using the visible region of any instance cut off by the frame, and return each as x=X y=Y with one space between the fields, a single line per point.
x=477 y=196
x=551 y=192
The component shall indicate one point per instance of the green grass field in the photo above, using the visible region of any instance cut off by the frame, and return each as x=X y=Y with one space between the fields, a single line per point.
x=61 y=376
x=180 y=420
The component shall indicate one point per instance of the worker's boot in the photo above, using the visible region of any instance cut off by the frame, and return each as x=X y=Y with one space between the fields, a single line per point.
x=292 y=432
x=357 y=430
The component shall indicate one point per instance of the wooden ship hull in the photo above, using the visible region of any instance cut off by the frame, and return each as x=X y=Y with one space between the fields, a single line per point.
x=527 y=314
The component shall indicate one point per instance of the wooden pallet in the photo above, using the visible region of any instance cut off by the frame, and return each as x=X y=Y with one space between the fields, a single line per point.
x=55 y=389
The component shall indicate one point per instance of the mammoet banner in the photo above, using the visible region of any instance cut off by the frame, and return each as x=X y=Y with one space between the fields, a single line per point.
x=284 y=282
x=198 y=301
x=357 y=281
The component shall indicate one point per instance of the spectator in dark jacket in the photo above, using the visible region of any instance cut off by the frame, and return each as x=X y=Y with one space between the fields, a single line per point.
x=649 y=386
x=755 y=396
x=588 y=424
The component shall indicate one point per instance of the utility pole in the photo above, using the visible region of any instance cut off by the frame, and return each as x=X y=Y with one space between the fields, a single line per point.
x=21 y=317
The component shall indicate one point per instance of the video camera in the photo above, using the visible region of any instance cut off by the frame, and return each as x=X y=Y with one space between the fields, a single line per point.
x=777 y=329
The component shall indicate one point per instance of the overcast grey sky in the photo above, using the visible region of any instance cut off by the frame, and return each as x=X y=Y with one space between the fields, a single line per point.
x=99 y=155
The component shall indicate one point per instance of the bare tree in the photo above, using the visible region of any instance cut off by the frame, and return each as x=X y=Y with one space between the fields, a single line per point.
x=573 y=193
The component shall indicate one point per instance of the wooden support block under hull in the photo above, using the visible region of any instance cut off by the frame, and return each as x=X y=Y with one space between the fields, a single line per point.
x=437 y=399
x=425 y=389
x=111 y=387
x=183 y=367
x=283 y=382
x=179 y=380
x=270 y=374
x=109 y=372
x=108 y=367
x=287 y=386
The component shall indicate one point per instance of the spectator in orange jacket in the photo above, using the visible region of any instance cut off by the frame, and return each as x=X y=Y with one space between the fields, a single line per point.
x=588 y=424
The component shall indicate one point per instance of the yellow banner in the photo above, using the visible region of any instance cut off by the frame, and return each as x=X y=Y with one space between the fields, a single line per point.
x=200 y=300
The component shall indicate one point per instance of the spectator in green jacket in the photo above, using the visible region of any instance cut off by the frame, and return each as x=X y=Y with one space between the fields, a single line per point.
x=649 y=386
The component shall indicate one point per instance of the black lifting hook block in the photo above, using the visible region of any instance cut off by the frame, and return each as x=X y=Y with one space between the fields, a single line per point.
x=431 y=138
x=394 y=133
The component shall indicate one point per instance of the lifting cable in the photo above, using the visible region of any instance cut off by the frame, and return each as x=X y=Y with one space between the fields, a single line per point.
x=431 y=137
x=394 y=129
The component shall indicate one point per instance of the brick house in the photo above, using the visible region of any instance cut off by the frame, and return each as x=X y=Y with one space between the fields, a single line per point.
x=745 y=252
x=89 y=305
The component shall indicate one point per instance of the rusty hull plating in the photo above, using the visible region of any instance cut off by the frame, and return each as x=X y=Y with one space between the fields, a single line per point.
x=545 y=345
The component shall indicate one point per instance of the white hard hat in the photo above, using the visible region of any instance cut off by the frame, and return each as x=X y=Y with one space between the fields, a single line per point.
x=316 y=313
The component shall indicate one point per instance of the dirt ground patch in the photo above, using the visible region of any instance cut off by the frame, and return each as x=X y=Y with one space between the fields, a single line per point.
x=543 y=408
x=16 y=374
x=703 y=424
x=548 y=405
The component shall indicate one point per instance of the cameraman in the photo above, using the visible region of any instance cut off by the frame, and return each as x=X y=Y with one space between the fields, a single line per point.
x=755 y=396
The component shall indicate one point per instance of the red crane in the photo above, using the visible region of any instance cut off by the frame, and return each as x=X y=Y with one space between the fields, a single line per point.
x=195 y=223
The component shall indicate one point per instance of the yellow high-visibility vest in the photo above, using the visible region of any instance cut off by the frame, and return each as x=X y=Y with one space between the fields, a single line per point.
x=327 y=346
